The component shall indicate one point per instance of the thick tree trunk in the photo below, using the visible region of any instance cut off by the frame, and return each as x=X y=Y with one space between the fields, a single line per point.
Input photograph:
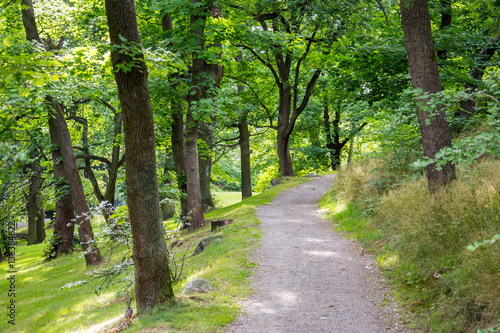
x=82 y=212
x=152 y=276
x=36 y=231
x=63 y=223
x=424 y=74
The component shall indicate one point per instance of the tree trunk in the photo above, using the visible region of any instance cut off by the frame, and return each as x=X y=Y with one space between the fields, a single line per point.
x=36 y=231
x=244 y=142
x=177 y=136
x=424 y=75
x=284 y=131
x=205 y=134
x=179 y=154
x=152 y=275
x=63 y=223
x=82 y=212
x=246 y=172
x=29 y=23
x=195 y=207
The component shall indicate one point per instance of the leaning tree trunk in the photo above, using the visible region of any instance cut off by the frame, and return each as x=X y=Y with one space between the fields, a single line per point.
x=424 y=75
x=63 y=224
x=152 y=275
x=82 y=211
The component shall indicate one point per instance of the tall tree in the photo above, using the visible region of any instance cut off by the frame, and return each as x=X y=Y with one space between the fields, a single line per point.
x=61 y=136
x=284 y=37
x=424 y=73
x=152 y=277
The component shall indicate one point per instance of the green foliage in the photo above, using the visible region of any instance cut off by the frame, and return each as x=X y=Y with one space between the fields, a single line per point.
x=50 y=245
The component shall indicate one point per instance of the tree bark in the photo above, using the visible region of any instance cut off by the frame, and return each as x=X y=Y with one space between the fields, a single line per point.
x=179 y=154
x=195 y=207
x=152 y=276
x=29 y=23
x=205 y=134
x=82 y=211
x=246 y=172
x=244 y=142
x=36 y=225
x=424 y=75
x=63 y=223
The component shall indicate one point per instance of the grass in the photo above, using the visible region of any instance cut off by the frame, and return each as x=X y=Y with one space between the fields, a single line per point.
x=421 y=242
x=225 y=198
x=41 y=306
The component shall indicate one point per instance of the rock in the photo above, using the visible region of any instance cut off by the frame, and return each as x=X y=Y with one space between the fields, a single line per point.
x=204 y=243
x=219 y=224
x=312 y=175
x=197 y=286
x=275 y=181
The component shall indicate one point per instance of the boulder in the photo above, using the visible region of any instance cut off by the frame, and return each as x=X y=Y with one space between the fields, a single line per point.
x=204 y=243
x=197 y=286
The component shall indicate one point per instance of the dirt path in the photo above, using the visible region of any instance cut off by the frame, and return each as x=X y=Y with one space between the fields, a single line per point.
x=310 y=279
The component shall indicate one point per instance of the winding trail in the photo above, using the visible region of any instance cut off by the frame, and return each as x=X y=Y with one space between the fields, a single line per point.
x=311 y=279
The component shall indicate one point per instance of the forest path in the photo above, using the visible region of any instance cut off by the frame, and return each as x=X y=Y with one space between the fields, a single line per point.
x=309 y=278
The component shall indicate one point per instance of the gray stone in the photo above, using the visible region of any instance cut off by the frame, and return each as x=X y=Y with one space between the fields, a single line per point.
x=312 y=175
x=275 y=181
x=197 y=286
x=204 y=243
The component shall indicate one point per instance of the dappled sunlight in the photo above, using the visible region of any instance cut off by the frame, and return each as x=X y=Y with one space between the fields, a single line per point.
x=340 y=207
x=286 y=297
x=321 y=253
x=100 y=326
x=314 y=240
x=261 y=308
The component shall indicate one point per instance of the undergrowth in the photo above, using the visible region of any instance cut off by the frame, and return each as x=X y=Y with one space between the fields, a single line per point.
x=421 y=241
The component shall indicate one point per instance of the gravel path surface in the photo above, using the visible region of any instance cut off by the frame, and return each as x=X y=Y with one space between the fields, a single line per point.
x=311 y=279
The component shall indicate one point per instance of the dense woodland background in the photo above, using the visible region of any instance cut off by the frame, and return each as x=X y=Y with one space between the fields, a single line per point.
x=126 y=112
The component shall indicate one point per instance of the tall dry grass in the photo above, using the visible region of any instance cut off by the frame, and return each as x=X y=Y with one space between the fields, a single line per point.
x=426 y=237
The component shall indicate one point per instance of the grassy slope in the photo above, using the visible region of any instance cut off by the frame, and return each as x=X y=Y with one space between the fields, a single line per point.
x=42 y=307
x=421 y=242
